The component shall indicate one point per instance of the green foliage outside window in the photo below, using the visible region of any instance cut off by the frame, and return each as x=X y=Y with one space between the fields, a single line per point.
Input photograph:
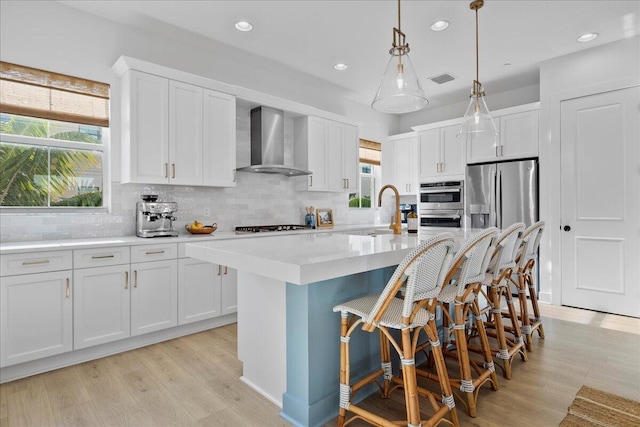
x=34 y=175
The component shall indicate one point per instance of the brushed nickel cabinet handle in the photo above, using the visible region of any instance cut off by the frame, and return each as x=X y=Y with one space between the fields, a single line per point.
x=102 y=256
x=311 y=178
x=126 y=280
x=173 y=170
x=135 y=278
x=225 y=270
x=40 y=261
x=166 y=170
x=219 y=270
x=442 y=167
x=502 y=150
x=68 y=291
x=155 y=252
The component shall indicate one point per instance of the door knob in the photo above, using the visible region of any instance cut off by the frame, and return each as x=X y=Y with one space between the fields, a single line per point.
x=566 y=228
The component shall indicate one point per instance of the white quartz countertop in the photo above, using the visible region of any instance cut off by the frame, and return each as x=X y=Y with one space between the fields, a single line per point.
x=50 y=245
x=303 y=259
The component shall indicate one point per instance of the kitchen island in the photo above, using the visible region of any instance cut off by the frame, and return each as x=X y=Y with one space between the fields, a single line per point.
x=288 y=335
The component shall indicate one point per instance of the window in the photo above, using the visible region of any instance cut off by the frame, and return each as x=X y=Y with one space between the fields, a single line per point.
x=370 y=155
x=52 y=140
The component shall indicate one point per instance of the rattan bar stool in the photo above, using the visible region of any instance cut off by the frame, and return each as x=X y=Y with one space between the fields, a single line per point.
x=509 y=337
x=462 y=286
x=423 y=272
x=526 y=260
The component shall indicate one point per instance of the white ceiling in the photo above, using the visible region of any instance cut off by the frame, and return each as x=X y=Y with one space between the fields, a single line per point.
x=311 y=36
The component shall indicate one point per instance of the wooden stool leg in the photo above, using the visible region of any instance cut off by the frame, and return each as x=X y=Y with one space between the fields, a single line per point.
x=525 y=320
x=519 y=344
x=466 y=381
x=345 y=388
x=385 y=364
x=503 y=351
x=441 y=370
x=484 y=344
x=533 y=296
x=409 y=378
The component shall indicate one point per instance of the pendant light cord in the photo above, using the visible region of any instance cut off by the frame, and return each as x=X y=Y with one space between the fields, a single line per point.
x=477 y=50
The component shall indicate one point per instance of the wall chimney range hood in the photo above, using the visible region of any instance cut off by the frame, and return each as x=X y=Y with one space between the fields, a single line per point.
x=267 y=144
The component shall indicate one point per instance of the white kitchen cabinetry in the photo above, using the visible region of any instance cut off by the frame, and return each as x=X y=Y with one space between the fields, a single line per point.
x=101 y=301
x=343 y=154
x=441 y=153
x=35 y=308
x=229 y=289
x=176 y=133
x=518 y=138
x=405 y=155
x=328 y=149
x=154 y=287
x=199 y=288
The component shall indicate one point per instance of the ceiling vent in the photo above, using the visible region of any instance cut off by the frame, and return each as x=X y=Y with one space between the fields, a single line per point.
x=442 y=78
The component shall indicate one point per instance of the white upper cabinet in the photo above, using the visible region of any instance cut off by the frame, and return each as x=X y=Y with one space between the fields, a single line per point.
x=441 y=153
x=329 y=149
x=403 y=163
x=145 y=128
x=518 y=138
x=176 y=133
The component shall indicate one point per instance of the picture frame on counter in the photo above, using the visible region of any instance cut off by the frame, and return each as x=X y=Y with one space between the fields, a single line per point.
x=324 y=218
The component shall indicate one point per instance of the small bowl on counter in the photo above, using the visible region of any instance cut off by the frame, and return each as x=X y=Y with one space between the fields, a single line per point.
x=205 y=229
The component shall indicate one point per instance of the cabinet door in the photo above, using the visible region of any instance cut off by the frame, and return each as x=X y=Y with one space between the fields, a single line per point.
x=429 y=148
x=318 y=134
x=350 y=157
x=451 y=151
x=199 y=286
x=219 y=139
x=335 y=178
x=145 y=150
x=519 y=135
x=101 y=307
x=229 y=290
x=35 y=316
x=154 y=295
x=185 y=134
x=404 y=154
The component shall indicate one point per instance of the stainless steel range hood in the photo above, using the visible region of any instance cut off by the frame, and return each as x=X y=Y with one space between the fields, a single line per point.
x=267 y=144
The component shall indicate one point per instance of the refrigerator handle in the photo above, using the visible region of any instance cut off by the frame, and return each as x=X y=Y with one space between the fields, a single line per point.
x=499 y=201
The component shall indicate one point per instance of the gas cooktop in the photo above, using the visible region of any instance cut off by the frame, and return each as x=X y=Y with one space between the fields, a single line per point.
x=268 y=228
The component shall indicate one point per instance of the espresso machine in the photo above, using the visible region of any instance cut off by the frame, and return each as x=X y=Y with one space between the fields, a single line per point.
x=155 y=219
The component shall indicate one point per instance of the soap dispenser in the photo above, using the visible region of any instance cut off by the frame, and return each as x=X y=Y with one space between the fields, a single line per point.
x=412 y=222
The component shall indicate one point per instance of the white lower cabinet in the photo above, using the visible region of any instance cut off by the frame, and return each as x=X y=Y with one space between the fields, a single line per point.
x=198 y=290
x=154 y=296
x=229 y=291
x=205 y=290
x=101 y=307
x=36 y=316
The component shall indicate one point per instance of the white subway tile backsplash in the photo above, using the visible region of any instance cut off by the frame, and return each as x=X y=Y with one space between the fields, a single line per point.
x=257 y=199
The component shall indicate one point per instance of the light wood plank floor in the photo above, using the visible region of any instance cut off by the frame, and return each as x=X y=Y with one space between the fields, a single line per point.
x=193 y=381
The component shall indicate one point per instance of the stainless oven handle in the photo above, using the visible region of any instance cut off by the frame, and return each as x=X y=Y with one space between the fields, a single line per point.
x=447 y=190
x=439 y=216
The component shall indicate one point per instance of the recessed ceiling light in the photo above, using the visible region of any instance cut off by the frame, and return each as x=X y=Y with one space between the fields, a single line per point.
x=440 y=25
x=587 y=37
x=244 y=26
x=340 y=66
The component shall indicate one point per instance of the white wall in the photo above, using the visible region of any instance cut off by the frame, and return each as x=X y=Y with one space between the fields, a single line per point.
x=55 y=37
x=599 y=69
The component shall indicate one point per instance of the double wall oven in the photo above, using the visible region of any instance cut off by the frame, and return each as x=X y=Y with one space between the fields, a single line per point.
x=442 y=204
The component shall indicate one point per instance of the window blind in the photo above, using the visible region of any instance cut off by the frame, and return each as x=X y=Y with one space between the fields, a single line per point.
x=37 y=93
x=370 y=152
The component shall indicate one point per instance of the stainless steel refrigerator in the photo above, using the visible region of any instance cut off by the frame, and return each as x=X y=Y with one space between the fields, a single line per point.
x=500 y=194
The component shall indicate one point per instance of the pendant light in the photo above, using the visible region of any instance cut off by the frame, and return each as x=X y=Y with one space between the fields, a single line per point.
x=400 y=90
x=477 y=122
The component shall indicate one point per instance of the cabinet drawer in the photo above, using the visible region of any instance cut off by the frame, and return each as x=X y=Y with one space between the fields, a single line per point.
x=100 y=257
x=155 y=252
x=35 y=262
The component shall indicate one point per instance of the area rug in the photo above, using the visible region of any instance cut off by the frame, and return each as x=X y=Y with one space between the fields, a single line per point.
x=593 y=407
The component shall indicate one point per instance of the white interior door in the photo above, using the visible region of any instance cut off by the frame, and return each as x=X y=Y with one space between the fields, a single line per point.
x=601 y=202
